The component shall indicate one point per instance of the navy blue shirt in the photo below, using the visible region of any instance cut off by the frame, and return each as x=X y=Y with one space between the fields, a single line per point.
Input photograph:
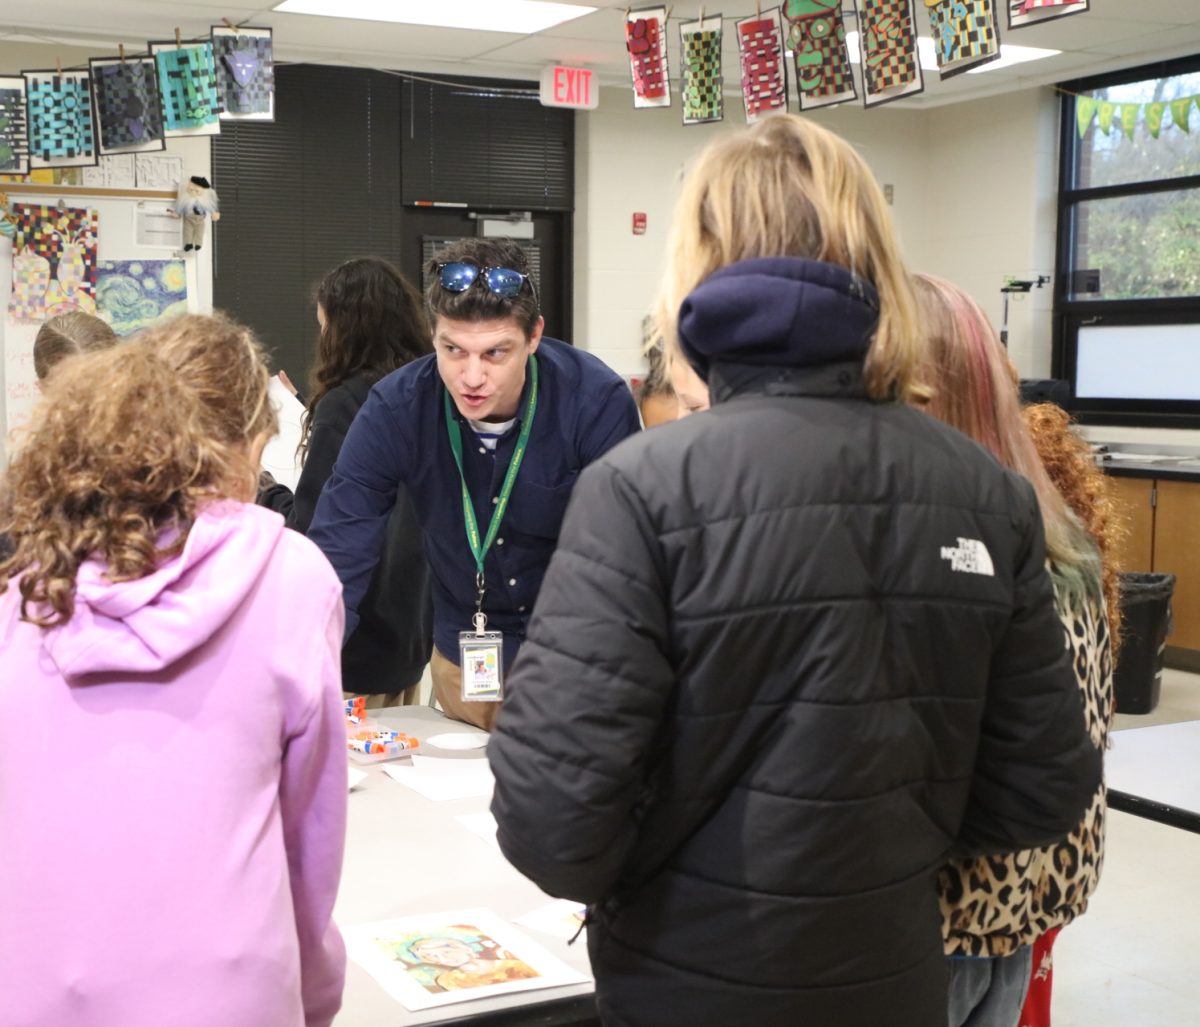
x=400 y=437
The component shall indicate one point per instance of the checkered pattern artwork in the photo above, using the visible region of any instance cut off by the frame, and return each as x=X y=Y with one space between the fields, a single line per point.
x=1034 y=12
x=61 y=131
x=764 y=81
x=889 y=47
x=187 y=82
x=817 y=39
x=54 y=262
x=245 y=66
x=964 y=34
x=702 y=93
x=128 y=107
x=14 y=138
x=646 y=41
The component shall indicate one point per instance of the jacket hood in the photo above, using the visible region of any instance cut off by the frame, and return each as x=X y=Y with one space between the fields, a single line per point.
x=778 y=312
x=147 y=625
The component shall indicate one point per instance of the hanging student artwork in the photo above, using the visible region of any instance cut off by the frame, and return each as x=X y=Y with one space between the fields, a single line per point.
x=964 y=34
x=1034 y=12
x=54 y=262
x=187 y=81
x=61 y=131
x=888 y=41
x=646 y=41
x=128 y=105
x=14 y=139
x=702 y=98
x=764 y=73
x=817 y=39
x=135 y=294
x=245 y=66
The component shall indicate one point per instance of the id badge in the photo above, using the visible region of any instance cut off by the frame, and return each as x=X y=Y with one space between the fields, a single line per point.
x=480 y=659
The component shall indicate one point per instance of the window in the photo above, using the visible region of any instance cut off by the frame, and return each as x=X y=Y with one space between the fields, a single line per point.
x=1129 y=242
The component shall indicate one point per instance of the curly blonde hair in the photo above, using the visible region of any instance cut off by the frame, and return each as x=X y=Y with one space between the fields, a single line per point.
x=1072 y=468
x=123 y=451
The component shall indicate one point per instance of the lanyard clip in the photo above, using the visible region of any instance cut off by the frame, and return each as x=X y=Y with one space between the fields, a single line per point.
x=480 y=618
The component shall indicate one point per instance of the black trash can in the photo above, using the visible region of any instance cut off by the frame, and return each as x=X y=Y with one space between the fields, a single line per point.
x=1146 y=616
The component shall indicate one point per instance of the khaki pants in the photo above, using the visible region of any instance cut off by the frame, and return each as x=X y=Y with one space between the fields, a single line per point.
x=447 y=689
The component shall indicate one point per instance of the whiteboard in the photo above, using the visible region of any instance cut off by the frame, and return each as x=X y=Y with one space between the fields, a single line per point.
x=18 y=389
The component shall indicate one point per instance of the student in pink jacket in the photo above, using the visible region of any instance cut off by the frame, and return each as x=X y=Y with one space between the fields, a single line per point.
x=172 y=756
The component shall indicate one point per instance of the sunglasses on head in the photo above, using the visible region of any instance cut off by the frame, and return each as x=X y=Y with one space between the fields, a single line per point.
x=459 y=276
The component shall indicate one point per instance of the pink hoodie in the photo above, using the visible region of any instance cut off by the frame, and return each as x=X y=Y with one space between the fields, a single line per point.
x=173 y=791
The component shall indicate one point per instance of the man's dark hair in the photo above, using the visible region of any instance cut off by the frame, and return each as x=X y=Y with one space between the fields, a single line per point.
x=479 y=303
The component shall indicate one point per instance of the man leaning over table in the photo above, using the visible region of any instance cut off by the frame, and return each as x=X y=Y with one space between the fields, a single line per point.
x=489 y=436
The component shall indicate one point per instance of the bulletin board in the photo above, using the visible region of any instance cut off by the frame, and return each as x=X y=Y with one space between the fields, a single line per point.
x=117 y=240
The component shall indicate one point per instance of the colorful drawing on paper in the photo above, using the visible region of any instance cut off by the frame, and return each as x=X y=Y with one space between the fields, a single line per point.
x=440 y=959
x=54 y=262
x=646 y=41
x=891 y=68
x=817 y=39
x=245 y=66
x=1034 y=12
x=702 y=97
x=134 y=294
x=764 y=78
x=187 y=82
x=14 y=138
x=128 y=105
x=964 y=34
x=61 y=130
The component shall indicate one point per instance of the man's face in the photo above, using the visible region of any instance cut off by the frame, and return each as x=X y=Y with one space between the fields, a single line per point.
x=482 y=364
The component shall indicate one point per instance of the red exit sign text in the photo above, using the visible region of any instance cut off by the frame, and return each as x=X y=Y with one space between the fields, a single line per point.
x=569 y=87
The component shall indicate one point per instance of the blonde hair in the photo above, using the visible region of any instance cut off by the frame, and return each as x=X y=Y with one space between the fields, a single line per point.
x=66 y=335
x=126 y=447
x=977 y=393
x=786 y=187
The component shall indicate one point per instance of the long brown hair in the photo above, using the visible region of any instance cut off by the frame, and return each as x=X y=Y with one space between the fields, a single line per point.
x=375 y=322
x=66 y=335
x=125 y=447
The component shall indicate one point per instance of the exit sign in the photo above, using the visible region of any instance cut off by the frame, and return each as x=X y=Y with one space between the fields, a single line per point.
x=569 y=87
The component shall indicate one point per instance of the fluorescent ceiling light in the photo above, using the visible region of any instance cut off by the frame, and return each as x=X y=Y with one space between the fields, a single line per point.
x=927 y=54
x=518 y=16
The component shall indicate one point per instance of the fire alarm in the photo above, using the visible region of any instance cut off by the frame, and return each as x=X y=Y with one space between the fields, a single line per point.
x=639 y=223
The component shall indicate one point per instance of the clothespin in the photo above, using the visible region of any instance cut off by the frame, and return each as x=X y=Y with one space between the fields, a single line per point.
x=758 y=8
x=231 y=26
x=121 y=50
x=628 y=12
x=178 y=40
x=58 y=65
x=702 y=15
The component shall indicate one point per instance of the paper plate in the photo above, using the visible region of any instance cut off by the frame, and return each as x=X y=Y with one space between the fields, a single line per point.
x=457 y=740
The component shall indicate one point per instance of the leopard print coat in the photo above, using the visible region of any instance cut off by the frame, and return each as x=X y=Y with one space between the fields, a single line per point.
x=991 y=906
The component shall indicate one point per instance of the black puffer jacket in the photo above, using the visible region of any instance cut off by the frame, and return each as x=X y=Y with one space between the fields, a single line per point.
x=391 y=645
x=788 y=654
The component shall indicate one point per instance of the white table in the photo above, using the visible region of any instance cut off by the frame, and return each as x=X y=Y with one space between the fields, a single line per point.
x=1154 y=772
x=406 y=855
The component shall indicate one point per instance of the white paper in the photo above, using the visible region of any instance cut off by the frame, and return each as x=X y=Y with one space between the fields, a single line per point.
x=357 y=777
x=115 y=172
x=442 y=958
x=443 y=780
x=562 y=918
x=156 y=171
x=482 y=825
x=280 y=457
x=154 y=227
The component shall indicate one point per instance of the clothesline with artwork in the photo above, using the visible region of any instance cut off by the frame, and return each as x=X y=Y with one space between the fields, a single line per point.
x=813 y=33
x=132 y=104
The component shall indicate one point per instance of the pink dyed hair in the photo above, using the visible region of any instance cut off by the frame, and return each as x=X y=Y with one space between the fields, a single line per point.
x=975 y=389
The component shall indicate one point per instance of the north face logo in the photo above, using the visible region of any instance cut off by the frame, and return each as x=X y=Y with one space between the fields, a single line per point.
x=970 y=556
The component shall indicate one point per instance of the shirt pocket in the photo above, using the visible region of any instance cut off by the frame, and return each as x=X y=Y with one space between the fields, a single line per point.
x=538 y=510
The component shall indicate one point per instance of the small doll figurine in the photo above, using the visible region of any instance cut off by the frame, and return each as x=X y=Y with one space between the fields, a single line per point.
x=197 y=200
x=8 y=223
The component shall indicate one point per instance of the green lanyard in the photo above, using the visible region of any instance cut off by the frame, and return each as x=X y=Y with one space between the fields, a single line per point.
x=479 y=550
